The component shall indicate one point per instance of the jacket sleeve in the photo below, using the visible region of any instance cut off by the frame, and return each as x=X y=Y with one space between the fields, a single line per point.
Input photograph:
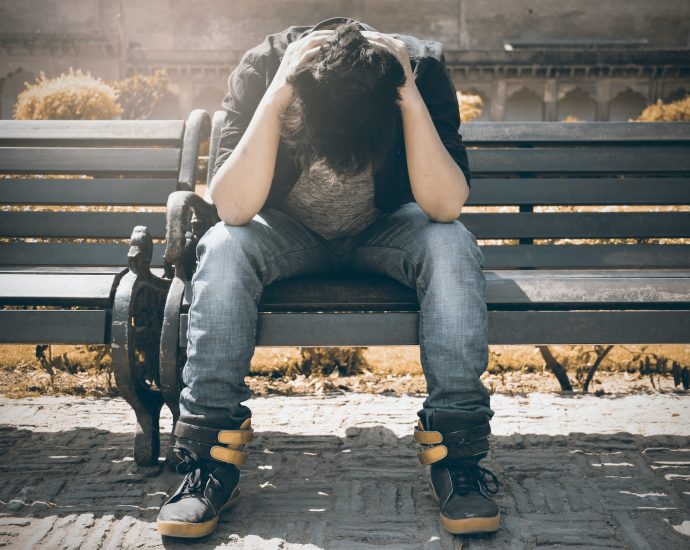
x=439 y=94
x=246 y=87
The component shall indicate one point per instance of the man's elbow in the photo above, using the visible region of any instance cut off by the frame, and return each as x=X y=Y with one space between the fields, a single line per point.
x=446 y=217
x=446 y=212
x=230 y=216
x=226 y=213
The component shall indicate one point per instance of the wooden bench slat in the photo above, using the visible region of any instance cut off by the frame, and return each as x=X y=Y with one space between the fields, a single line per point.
x=80 y=224
x=57 y=269
x=116 y=192
x=54 y=326
x=505 y=327
x=586 y=256
x=589 y=327
x=497 y=257
x=70 y=254
x=491 y=133
x=578 y=225
x=563 y=160
x=76 y=289
x=544 y=288
x=75 y=160
x=579 y=191
x=16 y=133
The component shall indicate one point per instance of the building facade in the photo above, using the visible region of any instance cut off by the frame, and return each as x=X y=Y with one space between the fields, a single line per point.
x=529 y=60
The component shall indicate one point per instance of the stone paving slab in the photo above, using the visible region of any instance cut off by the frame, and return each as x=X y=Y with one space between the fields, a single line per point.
x=341 y=472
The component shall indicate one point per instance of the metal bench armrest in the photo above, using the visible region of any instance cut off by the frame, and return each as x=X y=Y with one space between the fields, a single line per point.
x=188 y=218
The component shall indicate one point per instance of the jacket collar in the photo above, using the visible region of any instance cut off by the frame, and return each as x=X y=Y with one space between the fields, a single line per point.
x=334 y=21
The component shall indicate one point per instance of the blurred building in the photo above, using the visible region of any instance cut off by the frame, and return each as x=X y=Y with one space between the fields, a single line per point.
x=529 y=60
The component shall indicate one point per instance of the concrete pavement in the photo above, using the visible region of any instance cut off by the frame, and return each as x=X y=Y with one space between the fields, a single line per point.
x=341 y=472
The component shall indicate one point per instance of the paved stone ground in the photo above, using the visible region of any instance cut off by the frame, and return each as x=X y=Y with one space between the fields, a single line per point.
x=340 y=472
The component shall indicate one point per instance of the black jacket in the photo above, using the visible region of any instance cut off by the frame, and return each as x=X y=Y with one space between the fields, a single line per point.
x=250 y=79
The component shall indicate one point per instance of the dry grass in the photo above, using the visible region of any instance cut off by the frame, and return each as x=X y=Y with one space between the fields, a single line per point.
x=396 y=369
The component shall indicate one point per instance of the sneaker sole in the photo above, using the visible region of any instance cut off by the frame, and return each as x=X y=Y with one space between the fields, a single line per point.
x=467 y=526
x=188 y=530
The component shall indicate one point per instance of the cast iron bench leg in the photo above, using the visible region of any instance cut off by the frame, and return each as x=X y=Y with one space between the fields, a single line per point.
x=137 y=319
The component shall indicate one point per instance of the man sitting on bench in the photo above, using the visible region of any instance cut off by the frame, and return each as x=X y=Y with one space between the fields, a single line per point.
x=340 y=151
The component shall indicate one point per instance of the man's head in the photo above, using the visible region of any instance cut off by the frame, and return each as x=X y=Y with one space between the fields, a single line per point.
x=345 y=109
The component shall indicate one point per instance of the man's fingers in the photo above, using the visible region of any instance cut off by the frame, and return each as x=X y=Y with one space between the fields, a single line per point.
x=310 y=54
x=318 y=36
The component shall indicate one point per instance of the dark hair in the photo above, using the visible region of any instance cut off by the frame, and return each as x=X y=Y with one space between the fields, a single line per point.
x=345 y=110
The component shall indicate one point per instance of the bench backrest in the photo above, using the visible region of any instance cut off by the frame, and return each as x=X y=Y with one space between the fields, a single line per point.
x=598 y=190
x=72 y=191
x=549 y=194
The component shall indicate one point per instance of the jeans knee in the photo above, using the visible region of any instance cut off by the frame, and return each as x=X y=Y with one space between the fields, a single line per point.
x=450 y=241
x=226 y=241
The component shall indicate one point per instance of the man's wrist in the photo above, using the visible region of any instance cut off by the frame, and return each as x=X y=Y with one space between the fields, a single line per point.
x=277 y=101
x=411 y=99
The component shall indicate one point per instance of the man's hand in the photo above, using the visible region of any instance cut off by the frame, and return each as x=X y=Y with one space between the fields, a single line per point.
x=297 y=54
x=399 y=50
x=438 y=184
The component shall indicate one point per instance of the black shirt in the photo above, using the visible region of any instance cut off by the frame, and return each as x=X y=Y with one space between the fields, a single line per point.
x=251 y=78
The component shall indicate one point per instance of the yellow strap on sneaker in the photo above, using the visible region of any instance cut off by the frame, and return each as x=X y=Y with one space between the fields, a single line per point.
x=424 y=437
x=231 y=456
x=434 y=454
x=235 y=437
x=427 y=438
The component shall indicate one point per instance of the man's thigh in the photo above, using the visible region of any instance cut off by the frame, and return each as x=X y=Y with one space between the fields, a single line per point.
x=278 y=245
x=400 y=241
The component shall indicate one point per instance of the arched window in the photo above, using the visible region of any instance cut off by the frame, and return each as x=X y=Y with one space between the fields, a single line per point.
x=676 y=95
x=627 y=104
x=524 y=106
x=576 y=103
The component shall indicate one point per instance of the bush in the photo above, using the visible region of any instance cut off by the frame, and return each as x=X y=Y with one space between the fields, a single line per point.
x=139 y=94
x=676 y=111
x=470 y=106
x=72 y=96
x=326 y=360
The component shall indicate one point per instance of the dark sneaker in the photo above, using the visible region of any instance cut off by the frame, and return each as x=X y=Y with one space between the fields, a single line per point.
x=211 y=483
x=464 y=496
x=454 y=444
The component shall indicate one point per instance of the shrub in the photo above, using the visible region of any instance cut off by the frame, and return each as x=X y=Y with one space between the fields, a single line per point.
x=676 y=111
x=326 y=360
x=72 y=96
x=470 y=106
x=139 y=94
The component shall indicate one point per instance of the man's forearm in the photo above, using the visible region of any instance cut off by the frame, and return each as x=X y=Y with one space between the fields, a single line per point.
x=438 y=184
x=240 y=187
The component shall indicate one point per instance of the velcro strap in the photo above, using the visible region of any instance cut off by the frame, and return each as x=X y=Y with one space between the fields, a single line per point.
x=212 y=452
x=231 y=456
x=433 y=454
x=235 y=437
x=427 y=438
x=211 y=435
x=466 y=436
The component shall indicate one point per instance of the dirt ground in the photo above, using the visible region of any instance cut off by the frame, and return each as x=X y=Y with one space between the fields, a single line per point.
x=387 y=370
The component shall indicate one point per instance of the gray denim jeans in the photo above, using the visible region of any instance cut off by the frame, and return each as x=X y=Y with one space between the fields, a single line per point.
x=442 y=261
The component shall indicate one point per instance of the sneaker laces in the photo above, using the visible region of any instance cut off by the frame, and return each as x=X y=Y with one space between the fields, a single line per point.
x=468 y=476
x=196 y=474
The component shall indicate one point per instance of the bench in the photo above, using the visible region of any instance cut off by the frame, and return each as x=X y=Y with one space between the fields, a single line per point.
x=574 y=276
x=67 y=189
